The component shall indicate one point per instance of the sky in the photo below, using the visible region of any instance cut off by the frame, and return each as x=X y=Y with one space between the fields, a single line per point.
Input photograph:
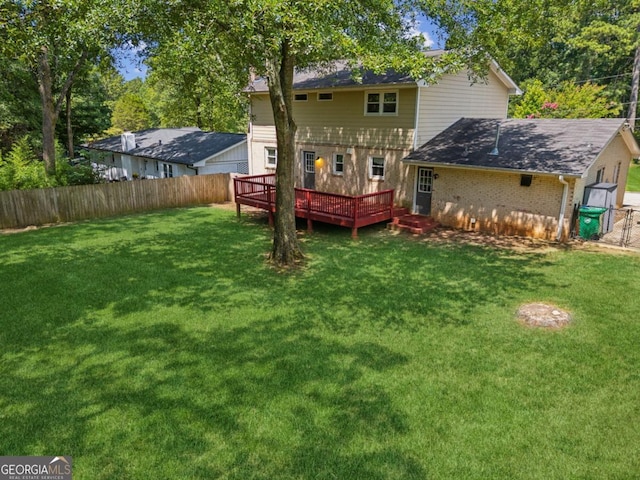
x=130 y=64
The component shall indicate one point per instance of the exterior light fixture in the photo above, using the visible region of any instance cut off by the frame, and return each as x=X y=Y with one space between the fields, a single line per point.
x=319 y=162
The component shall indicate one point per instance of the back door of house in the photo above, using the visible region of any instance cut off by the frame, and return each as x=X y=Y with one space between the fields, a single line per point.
x=424 y=184
x=309 y=169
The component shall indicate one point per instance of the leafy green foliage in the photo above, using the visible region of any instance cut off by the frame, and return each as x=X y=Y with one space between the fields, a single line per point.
x=568 y=101
x=130 y=113
x=194 y=87
x=20 y=112
x=20 y=169
x=554 y=41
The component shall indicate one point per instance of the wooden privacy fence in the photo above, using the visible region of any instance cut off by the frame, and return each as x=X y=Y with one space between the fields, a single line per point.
x=22 y=208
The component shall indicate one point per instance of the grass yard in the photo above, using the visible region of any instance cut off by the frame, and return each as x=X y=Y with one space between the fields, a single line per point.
x=633 y=180
x=162 y=346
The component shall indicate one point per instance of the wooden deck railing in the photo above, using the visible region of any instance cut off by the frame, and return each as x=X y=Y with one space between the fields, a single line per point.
x=345 y=210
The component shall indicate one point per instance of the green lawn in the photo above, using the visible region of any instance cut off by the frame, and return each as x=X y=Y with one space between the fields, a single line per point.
x=162 y=346
x=633 y=180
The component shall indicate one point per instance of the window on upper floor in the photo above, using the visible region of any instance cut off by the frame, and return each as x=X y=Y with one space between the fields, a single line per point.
x=338 y=164
x=381 y=103
x=270 y=157
x=376 y=168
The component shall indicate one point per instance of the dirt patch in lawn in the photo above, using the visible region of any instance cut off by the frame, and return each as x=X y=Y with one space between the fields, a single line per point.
x=543 y=315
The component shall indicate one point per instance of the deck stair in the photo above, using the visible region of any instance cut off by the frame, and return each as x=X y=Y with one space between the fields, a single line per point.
x=412 y=223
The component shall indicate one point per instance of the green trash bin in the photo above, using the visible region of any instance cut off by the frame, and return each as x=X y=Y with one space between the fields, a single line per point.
x=590 y=222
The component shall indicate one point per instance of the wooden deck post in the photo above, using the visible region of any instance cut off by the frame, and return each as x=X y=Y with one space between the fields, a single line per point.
x=238 y=210
x=309 y=221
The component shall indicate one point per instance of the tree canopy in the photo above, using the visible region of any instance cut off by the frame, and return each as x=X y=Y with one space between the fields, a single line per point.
x=272 y=38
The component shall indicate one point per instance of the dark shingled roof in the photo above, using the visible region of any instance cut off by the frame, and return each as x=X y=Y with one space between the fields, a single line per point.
x=543 y=146
x=176 y=145
x=340 y=74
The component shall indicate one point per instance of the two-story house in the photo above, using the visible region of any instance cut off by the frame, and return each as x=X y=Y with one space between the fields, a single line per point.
x=439 y=146
x=352 y=135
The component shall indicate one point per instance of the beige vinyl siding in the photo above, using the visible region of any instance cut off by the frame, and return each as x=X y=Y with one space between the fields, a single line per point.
x=616 y=152
x=342 y=121
x=455 y=97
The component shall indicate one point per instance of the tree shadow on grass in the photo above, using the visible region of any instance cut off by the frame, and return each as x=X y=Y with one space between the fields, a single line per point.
x=163 y=343
x=269 y=400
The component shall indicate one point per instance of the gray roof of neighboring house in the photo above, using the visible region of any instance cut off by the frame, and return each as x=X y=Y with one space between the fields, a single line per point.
x=175 y=145
x=543 y=146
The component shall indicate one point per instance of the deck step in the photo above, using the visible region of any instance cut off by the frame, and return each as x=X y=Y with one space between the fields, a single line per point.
x=412 y=223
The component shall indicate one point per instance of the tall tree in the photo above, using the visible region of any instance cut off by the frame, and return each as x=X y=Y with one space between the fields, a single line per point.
x=276 y=37
x=195 y=87
x=19 y=102
x=130 y=113
x=550 y=40
x=55 y=38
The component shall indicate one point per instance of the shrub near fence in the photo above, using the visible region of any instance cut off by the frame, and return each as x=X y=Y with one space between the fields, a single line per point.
x=22 y=208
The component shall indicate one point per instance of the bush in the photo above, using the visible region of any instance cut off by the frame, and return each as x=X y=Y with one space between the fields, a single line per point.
x=21 y=169
x=78 y=172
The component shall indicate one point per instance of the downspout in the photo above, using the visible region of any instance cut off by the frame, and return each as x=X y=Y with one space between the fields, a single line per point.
x=563 y=206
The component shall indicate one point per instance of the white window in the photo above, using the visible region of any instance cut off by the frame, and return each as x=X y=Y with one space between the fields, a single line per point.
x=376 y=168
x=381 y=103
x=270 y=157
x=338 y=164
x=425 y=180
x=600 y=175
x=325 y=96
x=300 y=97
x=616 y=172
x=167 y=170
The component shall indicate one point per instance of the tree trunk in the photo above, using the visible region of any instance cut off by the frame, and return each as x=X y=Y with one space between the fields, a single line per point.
x=45 y=85
x=635 y=82
x=286 y=250
x=69 y=127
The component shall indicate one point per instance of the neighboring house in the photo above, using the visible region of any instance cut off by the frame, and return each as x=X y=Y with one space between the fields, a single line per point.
x=169 y=152
x=363 y=129
x=521 y=177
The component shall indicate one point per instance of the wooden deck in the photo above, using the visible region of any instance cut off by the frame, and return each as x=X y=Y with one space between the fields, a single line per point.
x=348 y=211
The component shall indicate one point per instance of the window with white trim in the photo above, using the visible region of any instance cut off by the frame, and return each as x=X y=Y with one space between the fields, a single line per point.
x=167 y=170
x=270 y=157
x=600 y=175
x=381 y=103
x=338 y=164
x=325 y=96
x=376 y=168
x=300 y=97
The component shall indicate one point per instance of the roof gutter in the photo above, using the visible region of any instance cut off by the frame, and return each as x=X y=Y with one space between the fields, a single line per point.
x=423 y=163
x=563 y=206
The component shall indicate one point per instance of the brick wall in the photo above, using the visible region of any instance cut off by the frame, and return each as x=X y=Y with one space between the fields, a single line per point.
x=495 y=202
